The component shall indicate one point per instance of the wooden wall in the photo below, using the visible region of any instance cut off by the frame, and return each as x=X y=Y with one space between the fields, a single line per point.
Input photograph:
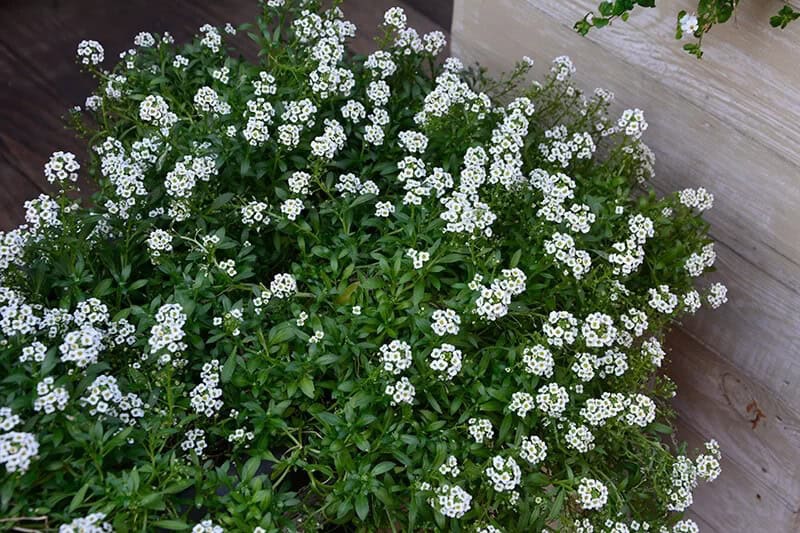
x=730 y=123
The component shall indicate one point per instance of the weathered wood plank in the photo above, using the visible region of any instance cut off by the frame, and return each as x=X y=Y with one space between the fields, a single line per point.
x=754 y=216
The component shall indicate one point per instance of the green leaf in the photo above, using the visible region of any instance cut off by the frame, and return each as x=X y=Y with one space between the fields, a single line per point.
x=515 y=258
x=382 y=468
x=307 y=386
x=362 y=506
x=250 y=468
x=557 y=505
x=171 y=525
x=229 y=367
x=77 y=499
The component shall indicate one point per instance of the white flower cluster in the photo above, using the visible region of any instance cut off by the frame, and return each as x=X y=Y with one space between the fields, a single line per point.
x=446 y=361
x=380 y=64
x=641 y=411
x=717 y=295
x=352 y=184
x=62 y=167
x=330 y=142
x=450 y=467
x=653 y=349
x=144 y=39
x=82 y=346
x=592 y=494
x=166 y=335
x=521 y=404
x=662 y=300
x=450 y=91
x=240 y=435
x=508 y=139
x=298 y=182
x=562 y=247
x=707 y=464
x=562 y=149
x=699 y=199
x=353 y=111
x=635 y=321
x=452 y=501
x=254 y=214
x=211 y=39
x=629 y=254
x=17 y=449
x=538 y=360
x=579 y=438
x=632 y=123
x=494 y=300
x=552 y=399
x=292 y=208
x=401 y=391
x=105 y=398
x=228 y=266
x=584 y=366
x=206 y=396
x=504 y=473
x=90 y=52
x=562 y=68
x=159 y=241
x=696 y=263
x=384 y=209
x=597 y=410
x=464 y=211
x=194 y=440
x=533 y=449
x=207 y=526
x=283 y=286
x=8 y=420
x=418 y=258
x=181 y=180
x=92 y=523
x=683 y=481
x=480 y=429
x=396 y=356
x=42 y=214
x=259 y=115
x=207 y=101
x=561 y=328
x=50 y=398
x=413 y=141
x=598 y=330
x=154 y=109
x=265 y=84
x=445 y=322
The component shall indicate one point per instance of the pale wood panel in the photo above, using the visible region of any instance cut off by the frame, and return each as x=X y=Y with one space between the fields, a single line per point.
x=756 y=197
x=759 y=436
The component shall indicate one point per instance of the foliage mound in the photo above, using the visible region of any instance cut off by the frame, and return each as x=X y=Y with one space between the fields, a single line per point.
x=383 y=292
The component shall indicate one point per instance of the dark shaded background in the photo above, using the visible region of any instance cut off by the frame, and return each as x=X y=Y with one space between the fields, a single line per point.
x=40 y=81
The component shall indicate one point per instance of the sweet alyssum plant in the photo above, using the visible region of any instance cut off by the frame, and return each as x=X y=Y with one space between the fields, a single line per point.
x=381 y=292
